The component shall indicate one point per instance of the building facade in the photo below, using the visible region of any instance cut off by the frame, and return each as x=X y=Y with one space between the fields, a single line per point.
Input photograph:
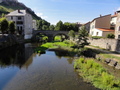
x=101 y=26
x=23 y=22
x=117 y=28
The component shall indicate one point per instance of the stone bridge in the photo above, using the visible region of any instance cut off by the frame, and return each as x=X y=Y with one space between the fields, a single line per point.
x=50 y=33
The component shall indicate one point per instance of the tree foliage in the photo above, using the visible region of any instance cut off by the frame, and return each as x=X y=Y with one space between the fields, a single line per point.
x=42 y=24
x=83 y=37
x=51 y=27
x=59 y=26
x=3 y=25
x=71 y=33
x=112 y=36
x=11 y=27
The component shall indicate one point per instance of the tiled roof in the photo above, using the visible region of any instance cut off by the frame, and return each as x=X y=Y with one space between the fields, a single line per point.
x=17 y=13
x=100 y=17
x=107 y=30
x=114 y=15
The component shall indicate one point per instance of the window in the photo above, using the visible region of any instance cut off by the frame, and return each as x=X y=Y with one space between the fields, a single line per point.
x=19 y=22
x=119 y=36
x=118 y=28
x=97 y=33
x=11 y=17
x=19 y=18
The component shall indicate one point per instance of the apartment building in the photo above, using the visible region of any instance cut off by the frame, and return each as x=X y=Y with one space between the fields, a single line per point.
x=101 y=26
x=23 y=22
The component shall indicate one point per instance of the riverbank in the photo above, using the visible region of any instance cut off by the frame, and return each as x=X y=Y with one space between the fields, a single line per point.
x=94 y=73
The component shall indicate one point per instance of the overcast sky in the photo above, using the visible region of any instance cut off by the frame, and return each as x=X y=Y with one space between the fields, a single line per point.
x=71 y=10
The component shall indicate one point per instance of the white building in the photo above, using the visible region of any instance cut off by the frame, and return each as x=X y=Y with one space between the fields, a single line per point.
x=101 y=26
x=23 y=22
x=34 y=25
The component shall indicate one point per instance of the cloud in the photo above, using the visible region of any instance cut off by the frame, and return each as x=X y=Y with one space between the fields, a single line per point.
x=41 y=15
x=118 y=9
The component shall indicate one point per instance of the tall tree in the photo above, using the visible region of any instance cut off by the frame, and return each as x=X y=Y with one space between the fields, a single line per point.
x=83 y=37
x=3 y=25
x=11 y=27
x=71 y=34
x=59 y=26
x=51 y=27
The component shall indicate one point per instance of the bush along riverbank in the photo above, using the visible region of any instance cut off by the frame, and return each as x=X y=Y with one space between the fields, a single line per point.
x=94 y=73
x=65 y=47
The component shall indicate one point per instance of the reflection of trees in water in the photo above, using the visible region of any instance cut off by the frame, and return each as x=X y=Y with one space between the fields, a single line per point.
x=14 y=55
x=63 y=53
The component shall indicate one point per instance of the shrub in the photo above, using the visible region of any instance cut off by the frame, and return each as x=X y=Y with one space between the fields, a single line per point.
x=96 y=37
x=112 y=36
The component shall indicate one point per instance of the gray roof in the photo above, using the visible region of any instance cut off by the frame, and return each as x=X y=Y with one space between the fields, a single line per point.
x=17 y=13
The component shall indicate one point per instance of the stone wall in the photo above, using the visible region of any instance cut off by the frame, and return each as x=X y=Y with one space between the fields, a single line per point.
x=109 y=44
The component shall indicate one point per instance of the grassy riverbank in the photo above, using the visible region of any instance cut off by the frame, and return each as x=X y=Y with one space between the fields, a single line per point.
x=65 y=46
x=93 y=72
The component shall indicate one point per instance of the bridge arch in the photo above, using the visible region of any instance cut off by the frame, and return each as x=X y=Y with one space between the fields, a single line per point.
x=63 y=36
x=50 y=34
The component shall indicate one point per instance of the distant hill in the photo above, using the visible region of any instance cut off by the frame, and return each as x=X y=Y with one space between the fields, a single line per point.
x=9 y=6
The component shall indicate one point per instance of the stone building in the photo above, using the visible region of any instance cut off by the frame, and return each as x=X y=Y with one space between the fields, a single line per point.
x=23 y=22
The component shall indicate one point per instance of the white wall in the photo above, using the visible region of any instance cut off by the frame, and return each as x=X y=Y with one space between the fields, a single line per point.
x=96 y=32
x=28 y=26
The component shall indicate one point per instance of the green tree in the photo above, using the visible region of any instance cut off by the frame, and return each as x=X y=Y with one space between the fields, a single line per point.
x=11 y=27
x=3 y=25
x=82 y=37
x=112 y=36
x=39 y=24
x=71 y=34
x=59 y=26
x=45 y=27
x=51 y=27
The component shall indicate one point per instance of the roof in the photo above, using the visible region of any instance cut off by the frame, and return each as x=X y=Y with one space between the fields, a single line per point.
x=17 y=13
x=100 y=17
x=106 y=30
x=114 y=15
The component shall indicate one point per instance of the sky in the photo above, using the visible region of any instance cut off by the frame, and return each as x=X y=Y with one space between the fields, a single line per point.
x=72 y=11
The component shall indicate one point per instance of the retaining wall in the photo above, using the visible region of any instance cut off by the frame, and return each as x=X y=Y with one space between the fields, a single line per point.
x=109 y=44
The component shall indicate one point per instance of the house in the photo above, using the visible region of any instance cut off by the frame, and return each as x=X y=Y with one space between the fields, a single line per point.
x=23 y=22
x=34 y=25
x=87 y=26
x=113 y=21
x=101 y=26
x=117 y=27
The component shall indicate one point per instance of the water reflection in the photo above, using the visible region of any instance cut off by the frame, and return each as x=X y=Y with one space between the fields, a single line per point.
x=15 y=56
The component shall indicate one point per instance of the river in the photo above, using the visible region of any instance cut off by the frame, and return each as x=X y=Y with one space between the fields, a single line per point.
x=22 y=69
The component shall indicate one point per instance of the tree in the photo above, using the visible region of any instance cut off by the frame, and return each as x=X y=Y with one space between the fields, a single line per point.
x=71 y=34
x=3 y=25
x=112 y=36
x=51 y=27
x=45 y=27
x=59 y=26
x=11 y=27
x=82 y=36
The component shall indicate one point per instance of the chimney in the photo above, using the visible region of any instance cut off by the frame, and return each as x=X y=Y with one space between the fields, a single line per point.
x=115 y=13
x=18 y=11
x=100 y=15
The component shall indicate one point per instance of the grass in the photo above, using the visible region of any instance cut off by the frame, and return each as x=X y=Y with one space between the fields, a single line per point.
x=65 y=46
x=109 y=56
x=93 y=72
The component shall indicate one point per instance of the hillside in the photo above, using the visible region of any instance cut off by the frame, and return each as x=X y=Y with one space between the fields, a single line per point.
x=6 y=7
